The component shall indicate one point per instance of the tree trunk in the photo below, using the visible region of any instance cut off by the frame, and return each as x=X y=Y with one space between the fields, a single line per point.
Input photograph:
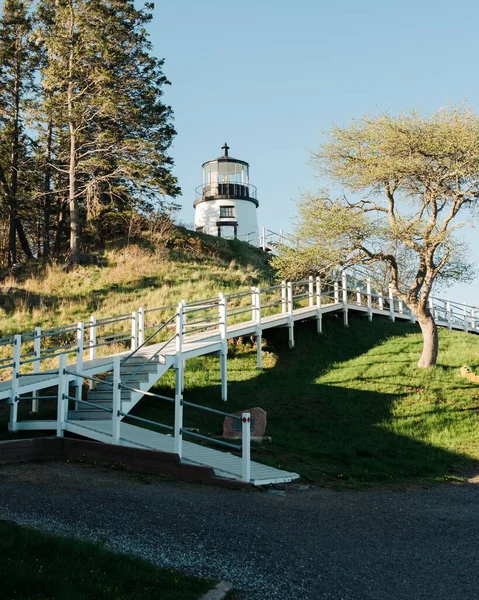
x=430 y=341
x=73 y=203
x=72 y=174
x=47 y=189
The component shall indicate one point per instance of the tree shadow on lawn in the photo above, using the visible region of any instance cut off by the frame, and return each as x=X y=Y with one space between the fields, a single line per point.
x=328 y=431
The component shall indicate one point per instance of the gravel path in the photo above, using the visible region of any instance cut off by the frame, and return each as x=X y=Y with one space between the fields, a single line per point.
x=303 y=544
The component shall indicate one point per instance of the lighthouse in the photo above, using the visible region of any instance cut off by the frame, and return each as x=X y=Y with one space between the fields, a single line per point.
x=226 y=202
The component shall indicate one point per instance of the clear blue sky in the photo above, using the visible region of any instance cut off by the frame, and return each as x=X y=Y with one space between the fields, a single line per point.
x=270 y=76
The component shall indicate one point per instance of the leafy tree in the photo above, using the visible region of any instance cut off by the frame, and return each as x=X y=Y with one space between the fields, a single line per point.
x=17 y=68
x=409 y=178
x=102 y=93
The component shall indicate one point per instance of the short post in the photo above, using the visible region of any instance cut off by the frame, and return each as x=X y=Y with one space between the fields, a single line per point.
x=79 y=361
x=319 y=312
x=369 y=299
x=448 y=314
x=391 y=304
x=400 y=307
x=17 y=352
x=223 y=324
x=290 y=320
x=284 y=300
x=93 y=326
x=344 y=284
x=473 y=318
x=62 y=401
x=311 y=291
x=246 y=446
x=134 y=330
x=178 y=427
x=37 y=350
x=336 y=292
x=466 y=326
x=141 y=326
x=115 y=416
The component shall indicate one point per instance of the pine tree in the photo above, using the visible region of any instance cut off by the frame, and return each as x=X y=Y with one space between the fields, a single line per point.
x=103 y=89
x=17 y=67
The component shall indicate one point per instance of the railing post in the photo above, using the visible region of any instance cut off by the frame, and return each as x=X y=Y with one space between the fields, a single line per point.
x=319 y=312
x=290 y=320
x=134 y=330
x=179 y=327
x=400 y=307
x=62 y=402
x=254 y=304
x=336 y=292
x=473 y=318
x=358 y=296
x=246 y=446
x=93 y=326
x=223 y=324
x=448 y=314
x=178 y=428
x=115 y=415
x=311 y=291
x=79 y=361
x=80 y=346
x=344 y=283
x=141 y=326
x=381 y=300
x=284 y=300
x=369 y=299
x=391 y=304
x=263 y=238
x=259 y=333
x=37 y=351
x=17 y=352
x=466 y=327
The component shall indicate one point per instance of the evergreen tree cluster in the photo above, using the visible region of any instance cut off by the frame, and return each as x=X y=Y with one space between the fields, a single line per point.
x=84 y=132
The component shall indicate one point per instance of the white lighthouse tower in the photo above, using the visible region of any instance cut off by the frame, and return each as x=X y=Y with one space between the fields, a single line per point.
x=226 y=203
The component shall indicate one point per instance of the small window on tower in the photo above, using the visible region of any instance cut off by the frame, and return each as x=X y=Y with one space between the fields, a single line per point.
x=227 y=211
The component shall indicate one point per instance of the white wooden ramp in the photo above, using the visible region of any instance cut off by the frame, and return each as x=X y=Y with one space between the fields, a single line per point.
x=95 y=393
x=224 y=464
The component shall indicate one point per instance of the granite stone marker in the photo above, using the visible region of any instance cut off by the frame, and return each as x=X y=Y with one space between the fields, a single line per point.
x=232 y=427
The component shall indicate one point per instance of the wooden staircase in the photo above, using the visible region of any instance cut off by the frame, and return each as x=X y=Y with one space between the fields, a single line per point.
x=101 y=393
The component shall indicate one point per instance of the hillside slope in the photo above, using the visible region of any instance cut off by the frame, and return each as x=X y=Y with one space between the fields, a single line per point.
x=186 y=265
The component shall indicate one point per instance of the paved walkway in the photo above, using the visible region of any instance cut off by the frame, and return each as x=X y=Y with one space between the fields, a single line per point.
x=305 y=544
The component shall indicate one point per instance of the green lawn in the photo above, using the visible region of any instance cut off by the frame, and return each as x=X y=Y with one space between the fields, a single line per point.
x=349 y=405
x=40 y=566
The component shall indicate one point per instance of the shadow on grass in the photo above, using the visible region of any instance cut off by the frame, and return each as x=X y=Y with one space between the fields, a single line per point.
x=329 y=430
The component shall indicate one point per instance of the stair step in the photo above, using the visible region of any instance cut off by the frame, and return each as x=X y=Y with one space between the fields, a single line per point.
x=98 y=396
x=88 y=415
x=150 y=368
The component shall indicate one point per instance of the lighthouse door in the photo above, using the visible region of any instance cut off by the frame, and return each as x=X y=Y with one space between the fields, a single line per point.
x=227 y=231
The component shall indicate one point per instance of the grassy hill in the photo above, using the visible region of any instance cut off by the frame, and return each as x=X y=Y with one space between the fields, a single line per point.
x=347 y=406
x=185 y=265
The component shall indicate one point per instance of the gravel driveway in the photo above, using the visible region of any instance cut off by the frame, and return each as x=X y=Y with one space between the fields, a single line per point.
x=304 y=544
